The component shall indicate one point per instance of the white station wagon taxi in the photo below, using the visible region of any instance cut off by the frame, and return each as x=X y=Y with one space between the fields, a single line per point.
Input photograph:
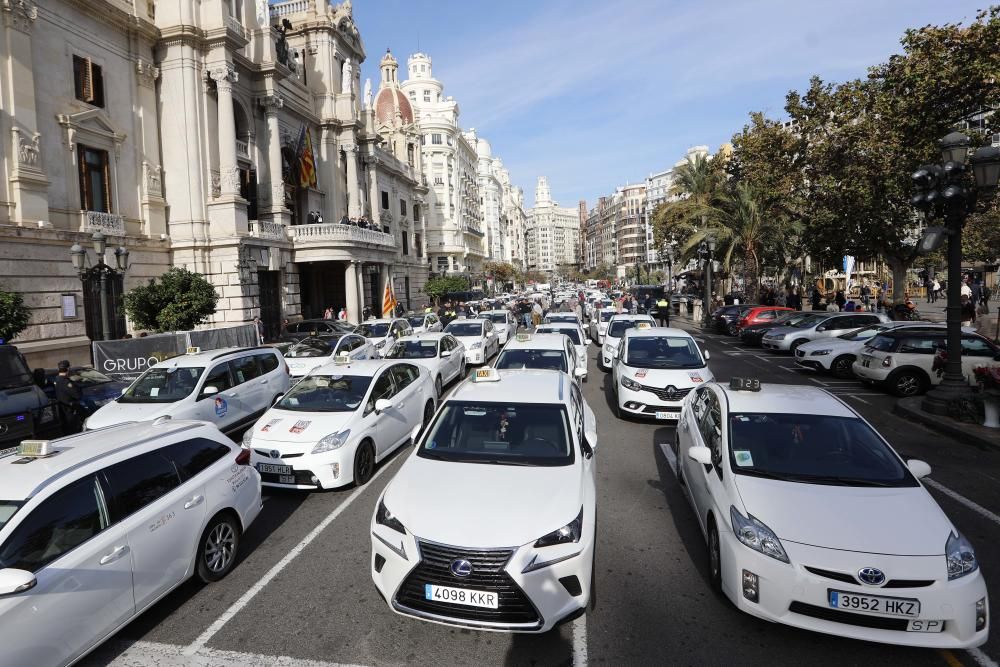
x=544 y=351
x=490 y=523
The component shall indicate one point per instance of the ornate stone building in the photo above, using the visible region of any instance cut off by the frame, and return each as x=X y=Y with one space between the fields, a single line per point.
x=552 y=236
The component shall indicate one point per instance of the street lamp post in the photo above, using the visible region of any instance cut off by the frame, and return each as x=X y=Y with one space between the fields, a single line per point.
x=942 y=190
x=708 y=248
x=102 y=271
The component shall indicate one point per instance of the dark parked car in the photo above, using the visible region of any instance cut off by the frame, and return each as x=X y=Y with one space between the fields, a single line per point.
x=723 y=317
x=25 y=410
x=96 y=387
x=752 y=334
x=318 y=328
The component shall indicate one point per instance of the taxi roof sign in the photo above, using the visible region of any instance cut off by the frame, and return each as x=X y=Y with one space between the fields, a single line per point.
x=35 y=448
x=194 y=349
x=342 y=358
x=744 y=384
x=486 y=375
x=523 y=337
x=643 y=325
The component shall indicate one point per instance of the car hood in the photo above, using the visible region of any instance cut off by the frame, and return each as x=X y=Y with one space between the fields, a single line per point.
x=287 y=426
x=835 y=344
x=481 y=505
x=901 y=521
x=469 y=340
x=784 y=330
x=119 y=413
x=303 y=365
x=664 y=377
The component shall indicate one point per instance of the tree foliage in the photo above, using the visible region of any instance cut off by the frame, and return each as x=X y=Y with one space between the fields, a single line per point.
x=502 y=272
x=438 y=286
x=14 y=315
x=179 y=301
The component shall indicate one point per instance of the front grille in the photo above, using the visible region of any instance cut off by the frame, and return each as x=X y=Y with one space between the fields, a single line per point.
x=653 y=409
x=488 y=574
x=909 y=583
x=837 y=616
x=850 y=579
x=266 y=453
x=666 y=395
x=800 y=353
x=836 y=576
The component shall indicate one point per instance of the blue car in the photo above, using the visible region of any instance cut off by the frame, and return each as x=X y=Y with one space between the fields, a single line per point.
x=96 y=387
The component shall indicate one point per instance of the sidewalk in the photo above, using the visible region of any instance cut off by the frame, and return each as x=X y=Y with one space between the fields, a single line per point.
x=974 y=434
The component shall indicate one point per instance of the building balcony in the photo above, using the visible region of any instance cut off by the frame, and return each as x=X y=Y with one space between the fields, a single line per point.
x=469 y=229
x=335 y=231
x=270 y=231
x=242 y=149
x=288 y=8
x=110 y=224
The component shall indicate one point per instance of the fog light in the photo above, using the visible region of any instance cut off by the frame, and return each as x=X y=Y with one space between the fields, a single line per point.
x=750 y=586
x=314 y=480
x=980 y=614
x=632 y=405
x=379 y=563
x=335 y=468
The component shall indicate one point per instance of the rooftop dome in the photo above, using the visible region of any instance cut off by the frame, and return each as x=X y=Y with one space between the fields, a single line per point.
x=388 y=101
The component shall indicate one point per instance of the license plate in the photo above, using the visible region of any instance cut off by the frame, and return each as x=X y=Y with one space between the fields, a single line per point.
x=461 y=596
x=670 y=416
x=274 y=468
x=286 y=479
x=874 y=605
x=920 y=625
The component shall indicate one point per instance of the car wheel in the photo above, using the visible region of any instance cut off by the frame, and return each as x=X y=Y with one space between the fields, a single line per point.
x=714 y=557
x=841 y=366
x=796 y=343
x=438 y=386
x=217 y=548
x=428 y=416
x=364 y=463
x=907 y=382
x=732 y=329
x=462 y=370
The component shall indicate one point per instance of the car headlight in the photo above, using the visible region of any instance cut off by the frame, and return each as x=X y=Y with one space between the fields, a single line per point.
x=775 y=336
x=331 y=442
x=247 y=437
x=384 y=517
x=959 y=556
x=476 y=346
x=47 y=414
x=568 y=534
x=379 y=345
x=629 y=383
x=757 y=536
x=820 y=353
x=610 y=350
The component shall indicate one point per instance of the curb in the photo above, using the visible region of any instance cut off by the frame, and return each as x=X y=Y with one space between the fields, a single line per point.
x=967 y=433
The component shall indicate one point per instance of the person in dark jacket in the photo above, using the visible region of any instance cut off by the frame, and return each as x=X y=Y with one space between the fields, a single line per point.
x=816 y=298
x=840 y=299
x=68 y=395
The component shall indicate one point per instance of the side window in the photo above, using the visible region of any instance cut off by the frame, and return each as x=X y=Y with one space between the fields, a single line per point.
x=58 y=525
x=383 y=389
x=918 y=345
x=219 y=378
x=976 y=347
x=577 y=399
x=192 y=456
x=267 y=362
x=487 y=326
x=244 y=369
x=140 y=481
x=766 y=315
x=710 y=426
x=864 y=320
x=404 y=375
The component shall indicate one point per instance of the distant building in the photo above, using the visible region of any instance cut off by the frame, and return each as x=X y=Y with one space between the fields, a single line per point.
x=553 y=233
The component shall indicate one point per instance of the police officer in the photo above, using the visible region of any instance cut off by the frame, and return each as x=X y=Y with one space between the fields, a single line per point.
x=663 y=310
x=68 y=397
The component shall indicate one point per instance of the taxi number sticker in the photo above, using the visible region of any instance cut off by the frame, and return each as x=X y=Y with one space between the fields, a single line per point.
x=268 y=425
x=695 y=377
x=643 y=325
x=299 y=426
x=743 y=458
x=641 y=373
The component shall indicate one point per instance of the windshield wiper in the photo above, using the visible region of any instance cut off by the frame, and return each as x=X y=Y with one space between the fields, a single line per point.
x=498 y=462
x=844 y=481
x=765 y=474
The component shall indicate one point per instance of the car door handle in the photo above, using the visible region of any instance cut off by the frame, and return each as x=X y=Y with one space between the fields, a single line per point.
x=194 y=502
x=230 y=394
x=114 y=555
x=263 y=381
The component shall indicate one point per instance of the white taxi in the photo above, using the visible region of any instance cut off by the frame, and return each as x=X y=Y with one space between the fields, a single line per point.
x=335 y=426
x=617 y=326
x=520 y=560
x=812 y=520
x=478 y=336
x=310 y=353
x=656 y=368
x=576 y=335
x=599 y=323
x=564 y=316
x=440 y=353
x=381 y=333
x=503 y=323
x=424 y=322
x=544 y=351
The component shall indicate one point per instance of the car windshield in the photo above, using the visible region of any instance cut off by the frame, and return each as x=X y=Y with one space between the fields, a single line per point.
x=619 y=327
x=88 y=377
x=309 y=348
x=550 y=360
x=13 y=371
x=813 y=449
x=498 y=318
x=416 y=321
x=490 y=433
x=864 y=333
x=561 y=317
x=377 y=330
x=607 y=315
x=574 y=334
x=326 y=393
x=413 y=349
x=7 y=510
x=663 y=352
x=469 y=328
x=163 y=385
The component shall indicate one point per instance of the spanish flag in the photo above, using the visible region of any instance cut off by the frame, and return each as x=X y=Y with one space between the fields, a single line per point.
x=388 y=300
x=307 y=163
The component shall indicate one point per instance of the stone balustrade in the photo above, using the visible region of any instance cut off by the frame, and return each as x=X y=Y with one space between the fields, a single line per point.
x=242 y=148
x=288 y=8
x=272 y=231
x=333 y=231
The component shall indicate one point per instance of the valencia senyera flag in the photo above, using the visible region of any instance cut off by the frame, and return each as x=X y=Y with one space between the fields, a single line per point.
x=307 y=162
x=388 y=300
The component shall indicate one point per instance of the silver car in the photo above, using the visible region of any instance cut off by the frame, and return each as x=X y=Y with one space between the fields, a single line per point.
x=788 y=339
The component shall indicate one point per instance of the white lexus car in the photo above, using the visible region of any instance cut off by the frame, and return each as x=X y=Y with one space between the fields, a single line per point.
x=812 y=520
x=441 y=354
x=490 y=523
x=478 y=336
x=656 y=368
x=617 y=326
x=335 y=426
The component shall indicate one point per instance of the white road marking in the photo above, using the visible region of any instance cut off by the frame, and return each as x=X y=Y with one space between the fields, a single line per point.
x=668 y=453
x=972 y=505
x=580 y=642
x=981 y=658
x=141 y=654
x=252 y=592
x=856 y=398
x=733 y=354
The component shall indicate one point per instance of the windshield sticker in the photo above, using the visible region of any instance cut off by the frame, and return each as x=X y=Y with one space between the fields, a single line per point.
x=221 y=407
x=268 y=425
x=299 y=426
x=641 y=373
x=695 y=377
x=743 y=458
x=154 y=392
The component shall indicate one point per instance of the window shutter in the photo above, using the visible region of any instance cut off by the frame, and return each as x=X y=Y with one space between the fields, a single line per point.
x=87 y=80
x=82 y=165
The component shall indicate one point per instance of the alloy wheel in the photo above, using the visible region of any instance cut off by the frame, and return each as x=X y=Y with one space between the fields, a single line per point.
x=220 y=547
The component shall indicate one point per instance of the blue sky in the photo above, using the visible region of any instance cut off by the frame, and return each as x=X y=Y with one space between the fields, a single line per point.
x=595 y=94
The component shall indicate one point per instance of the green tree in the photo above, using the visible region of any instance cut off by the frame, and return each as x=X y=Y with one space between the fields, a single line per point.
x=14 y=315
x=438 y=286
x=697 y=188
x=500 y=272
x=981 y=236
x=179 y=301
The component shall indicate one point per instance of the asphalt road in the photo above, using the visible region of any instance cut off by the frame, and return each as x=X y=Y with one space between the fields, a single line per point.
x=303 y=590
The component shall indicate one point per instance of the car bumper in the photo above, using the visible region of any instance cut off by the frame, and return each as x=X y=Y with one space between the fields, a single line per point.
x=646 y=405
x=871 y=374
x=329 y=470
x=792 y=595
x=396 y=571
x=813 y=363
x=782 y=345
x=475 y=356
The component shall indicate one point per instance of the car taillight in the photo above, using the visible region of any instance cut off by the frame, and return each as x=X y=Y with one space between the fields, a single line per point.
x=288 y=371
x=243 y=458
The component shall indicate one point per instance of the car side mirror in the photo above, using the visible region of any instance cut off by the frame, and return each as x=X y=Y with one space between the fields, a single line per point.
x=706 y=354
x=579 y=372
x=14 y=581
x=590 y=442
x=445 y=353
x=209 y=390
x=701 y=454
x=918 y=468
x=821 y=328
x=415 y=433
x=277 y=398
x=382 y=404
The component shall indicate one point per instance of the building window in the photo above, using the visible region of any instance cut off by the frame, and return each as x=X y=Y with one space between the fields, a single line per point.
x=427 y=96
x=385 y=200
x=423 y=139
x=413 y=95
x=402 y=207
x=417 y=245
x=88 y=80
x=95 y=183
x=442 y=264
x=406 y=243
x=436 y=139
x=416 y=214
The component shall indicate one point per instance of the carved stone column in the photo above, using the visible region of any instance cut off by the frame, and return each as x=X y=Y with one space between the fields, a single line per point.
x=353 y=188
x=351 y=291
x=229 y=176
x=272 y=104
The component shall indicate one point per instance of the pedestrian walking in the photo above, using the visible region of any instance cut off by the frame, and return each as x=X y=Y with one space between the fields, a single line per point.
x=328 y=313
x=258 y=328
x=968 y=311
x=68 y=395
x=536 y=314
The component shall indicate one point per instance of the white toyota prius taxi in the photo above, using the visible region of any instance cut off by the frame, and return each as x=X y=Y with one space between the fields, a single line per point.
x=490 y=523
x=338 y=422
x=812 y=520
